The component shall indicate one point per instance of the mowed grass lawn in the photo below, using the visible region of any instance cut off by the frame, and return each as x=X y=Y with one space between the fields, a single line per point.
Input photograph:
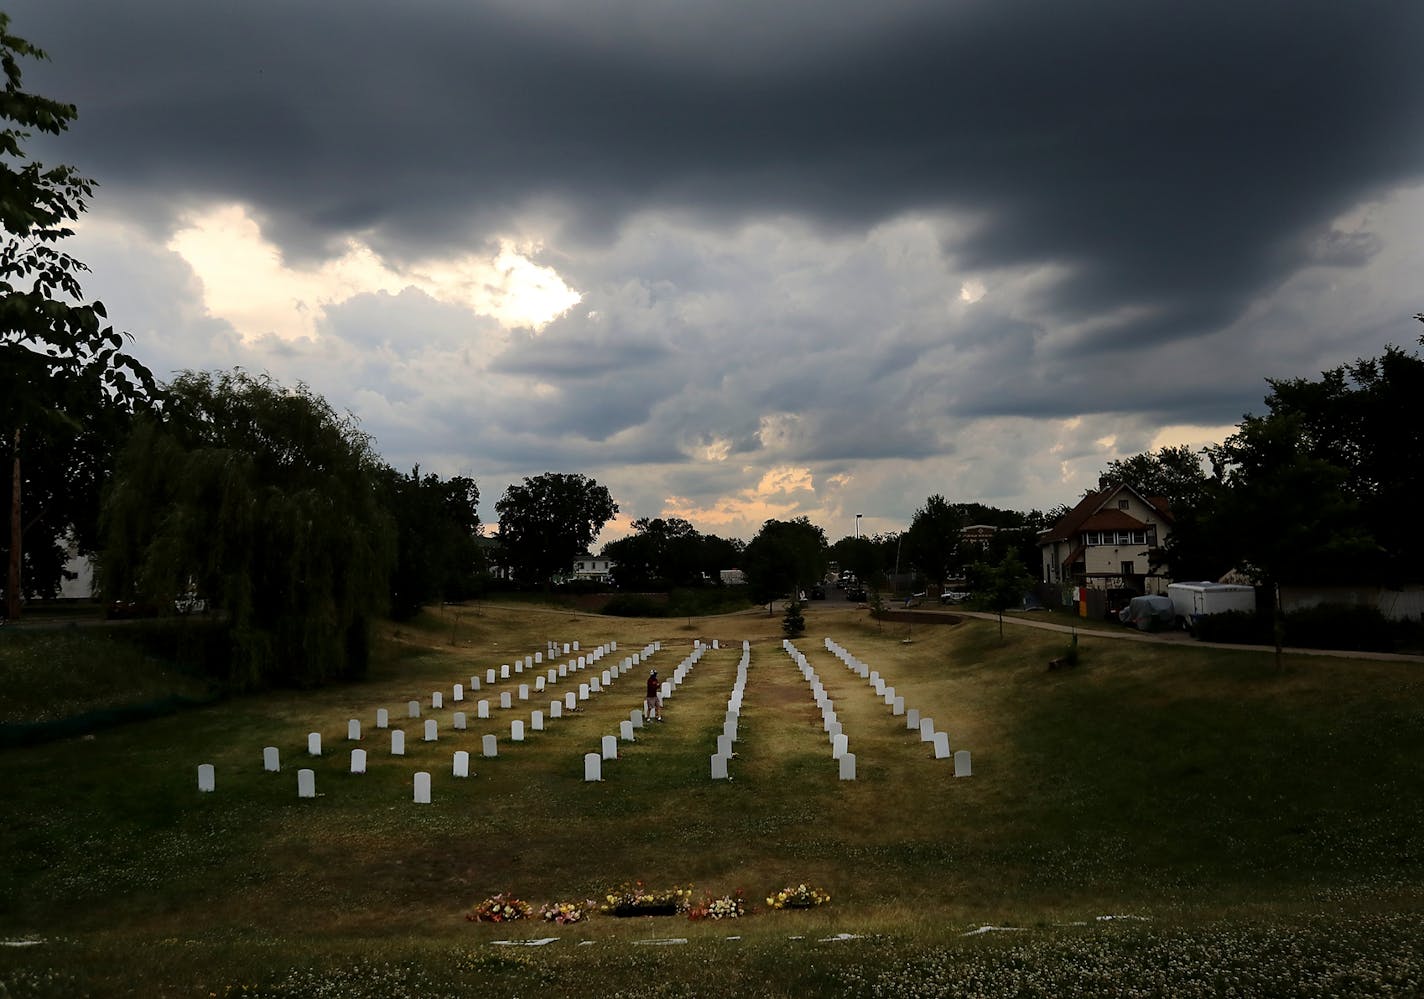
x=1249 y=831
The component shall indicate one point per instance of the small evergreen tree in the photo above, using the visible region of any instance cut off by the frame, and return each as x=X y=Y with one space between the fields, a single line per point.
x=793 y=622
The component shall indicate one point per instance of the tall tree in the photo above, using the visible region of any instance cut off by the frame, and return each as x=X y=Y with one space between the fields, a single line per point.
x=661 y=553
x=932 y=541
x=1000 y=585
x=437 y=531
x=1176 y=473
x=549 y=521
x=266 y=503
x=784 y=557
x=64 y=378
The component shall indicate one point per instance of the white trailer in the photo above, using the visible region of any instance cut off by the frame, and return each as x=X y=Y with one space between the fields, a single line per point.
x=1191 y=601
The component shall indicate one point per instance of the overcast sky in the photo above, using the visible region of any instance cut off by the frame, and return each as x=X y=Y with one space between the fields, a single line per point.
x=739 y=261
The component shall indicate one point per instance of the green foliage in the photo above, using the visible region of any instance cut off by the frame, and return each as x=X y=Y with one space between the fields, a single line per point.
x=1247 y=627
x=437 y=529
x=932 y=541
x=1000 y=586
x=793 y=622
x=636 y=605
x=785 y=556
x=665 y=553
x=549 y=521
x=66 y=384
x=266 y=503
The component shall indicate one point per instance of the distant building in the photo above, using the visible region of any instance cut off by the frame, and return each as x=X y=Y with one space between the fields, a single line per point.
x=978 y=535
x=733 y=577
x=1106 y=542
x=592 y=569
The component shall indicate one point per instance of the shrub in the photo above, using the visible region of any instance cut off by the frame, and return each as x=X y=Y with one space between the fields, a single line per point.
x=1340 y=626
x=635 y=605
x=1243 y=627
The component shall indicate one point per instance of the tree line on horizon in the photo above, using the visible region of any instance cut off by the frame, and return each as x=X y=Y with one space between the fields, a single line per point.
x=276 y=509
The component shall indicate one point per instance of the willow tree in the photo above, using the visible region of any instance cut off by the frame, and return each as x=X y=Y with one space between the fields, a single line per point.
x=265 y=503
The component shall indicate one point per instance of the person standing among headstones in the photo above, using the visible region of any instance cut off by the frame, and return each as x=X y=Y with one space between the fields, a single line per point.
x=653 y=703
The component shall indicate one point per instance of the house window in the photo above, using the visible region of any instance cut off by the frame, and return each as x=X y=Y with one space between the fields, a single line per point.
x=1127 y=569
x=1122 y=504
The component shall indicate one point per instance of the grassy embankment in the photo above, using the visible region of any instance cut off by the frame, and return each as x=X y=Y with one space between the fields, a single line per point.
x=1260 y=826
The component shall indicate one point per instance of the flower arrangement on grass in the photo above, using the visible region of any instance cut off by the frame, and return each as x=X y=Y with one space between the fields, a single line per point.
x=731 y=906
x=638 y=899
x=501 y=908
x=564 y=913
x=802 y=896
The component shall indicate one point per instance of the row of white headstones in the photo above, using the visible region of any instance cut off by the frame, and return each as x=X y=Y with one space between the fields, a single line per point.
x=723 y=756
x=608 y=747
x=938 y=739
x=306 y=778
x=840 y=742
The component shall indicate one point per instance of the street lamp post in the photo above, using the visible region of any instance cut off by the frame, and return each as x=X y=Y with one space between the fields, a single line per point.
x=857 y=524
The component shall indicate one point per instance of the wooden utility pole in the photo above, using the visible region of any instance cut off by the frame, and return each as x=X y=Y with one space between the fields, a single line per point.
x=12 y=586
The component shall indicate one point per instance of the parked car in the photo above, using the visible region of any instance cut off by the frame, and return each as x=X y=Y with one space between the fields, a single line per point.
x=855 y=591
x=953 y=597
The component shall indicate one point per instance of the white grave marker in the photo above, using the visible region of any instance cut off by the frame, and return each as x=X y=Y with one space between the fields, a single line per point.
x=413 y=709
x=422 y=788
x=524 y=691
x=207 y=777
x=358 y=761
x=437 y=699
x=306 y=783
x=556 y=709
x=383 y=718
x=927 y=732
x=458 y=694
x=505 y=700
x=592 y=766
x=353 y=730
x=489 y=675
x=431 y=730
x=490 y=746
x=460 y=721
x=271 y=759
x=461 y=764
x=848 y=766
x=397 y=742
x=719 y=767
x=314 y=744
x=536 y=721
x=962 y=766
x=571 y=701
x=840 y=745
x=482 y=709
x=941 y=745
x=636 y=717
x=516 y=730
x=610 y=747
x=625 y=730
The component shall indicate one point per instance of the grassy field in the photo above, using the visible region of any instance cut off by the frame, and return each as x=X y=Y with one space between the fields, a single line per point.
x=1159 y=821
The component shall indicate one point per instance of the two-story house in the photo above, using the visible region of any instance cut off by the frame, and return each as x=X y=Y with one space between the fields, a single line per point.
x=1107 y=541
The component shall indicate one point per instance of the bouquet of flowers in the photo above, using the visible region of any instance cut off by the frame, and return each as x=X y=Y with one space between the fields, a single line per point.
x=731 y=906
x=802 y=896
x=499 y=908
x=564 y=913
x=639 y=900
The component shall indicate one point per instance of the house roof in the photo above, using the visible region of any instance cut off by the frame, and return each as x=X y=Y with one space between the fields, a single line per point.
x=1094 y=506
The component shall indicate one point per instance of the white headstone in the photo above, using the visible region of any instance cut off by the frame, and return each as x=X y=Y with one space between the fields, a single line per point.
x=538 y=657
x=848 y=766
x=556 y=709
x=459 y=720
x=505 y=700
x=583 y=692
x=566 y=648
x=941 y=745
x=912 y=718
x=563 y=669
x=528 y=662
x=271 y=759
x=607 y=678
x=927 y=732
x=524 y=691
x=207 y=777
x=397 y=742
x=576 y=648
x=383 y=718
x=594 y=686
x=571 y=701
x=538 y=685
x=437 y=699
x=474 y=684
x=625 y=730
x=358 y=761
x=898 y=707
x=536 y=721
x=482 y=709
x=719 y=766
x=458 y=694
x=422 y=788
x=962 y=766
x=432 y=732
x=592 y=766
x=504 y=672
x=516 y=730
x=461 y=764
x=314 y=744
x=306 y=783
x=490 y=746
x=724 y=745
x=413 y=709
x=552 y=676
x=840 y=745
x=636 y=717
x=610 y=747
x=489 y=675
x=353 y=730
